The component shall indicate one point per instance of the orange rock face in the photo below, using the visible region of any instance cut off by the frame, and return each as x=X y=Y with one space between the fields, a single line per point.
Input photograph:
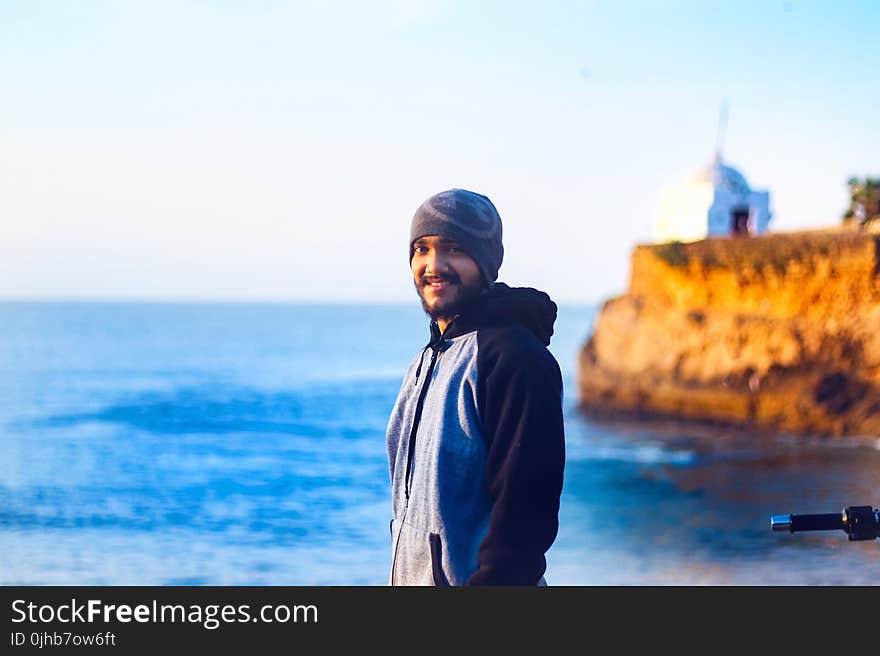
x=779 y=333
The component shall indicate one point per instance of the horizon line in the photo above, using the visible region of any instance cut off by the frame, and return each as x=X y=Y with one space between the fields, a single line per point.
x=196 y=300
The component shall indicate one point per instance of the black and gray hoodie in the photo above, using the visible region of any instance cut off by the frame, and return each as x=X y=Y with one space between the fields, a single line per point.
x=476 y=447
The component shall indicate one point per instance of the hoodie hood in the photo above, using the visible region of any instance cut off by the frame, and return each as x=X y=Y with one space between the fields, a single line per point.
x=501 y=305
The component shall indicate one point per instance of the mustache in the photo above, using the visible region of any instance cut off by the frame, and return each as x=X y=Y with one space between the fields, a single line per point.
x=426 y=280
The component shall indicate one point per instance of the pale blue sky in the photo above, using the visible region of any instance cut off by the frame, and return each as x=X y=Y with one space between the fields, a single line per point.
x=276 y=150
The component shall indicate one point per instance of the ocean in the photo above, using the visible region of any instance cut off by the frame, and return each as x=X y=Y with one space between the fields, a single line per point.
x=243 y=444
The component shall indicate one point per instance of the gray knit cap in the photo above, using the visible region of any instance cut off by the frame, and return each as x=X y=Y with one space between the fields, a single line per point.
x=470 y=219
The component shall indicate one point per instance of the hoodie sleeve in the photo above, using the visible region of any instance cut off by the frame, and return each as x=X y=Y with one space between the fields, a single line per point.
x=520 y=399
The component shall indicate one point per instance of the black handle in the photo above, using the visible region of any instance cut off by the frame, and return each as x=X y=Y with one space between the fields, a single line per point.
x=823 y=522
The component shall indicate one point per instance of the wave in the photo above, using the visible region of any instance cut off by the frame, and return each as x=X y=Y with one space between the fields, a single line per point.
x=651 y=454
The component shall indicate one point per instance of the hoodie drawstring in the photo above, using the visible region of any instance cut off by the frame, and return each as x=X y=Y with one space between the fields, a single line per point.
x=421 y=361
x=436 y=339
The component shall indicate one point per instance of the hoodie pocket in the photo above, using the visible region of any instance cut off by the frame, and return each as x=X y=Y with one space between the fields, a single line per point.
x=437 y=559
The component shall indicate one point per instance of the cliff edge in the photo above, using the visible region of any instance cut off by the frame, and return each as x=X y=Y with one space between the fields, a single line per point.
x=779 y=333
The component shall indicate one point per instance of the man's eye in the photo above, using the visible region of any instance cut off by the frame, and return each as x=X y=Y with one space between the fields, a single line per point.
x=421 y=250
x=453 y=249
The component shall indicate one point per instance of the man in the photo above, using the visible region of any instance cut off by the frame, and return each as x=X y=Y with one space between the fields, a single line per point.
x=475 y=440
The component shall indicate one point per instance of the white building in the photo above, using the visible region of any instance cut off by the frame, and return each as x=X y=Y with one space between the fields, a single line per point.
x=715 y=201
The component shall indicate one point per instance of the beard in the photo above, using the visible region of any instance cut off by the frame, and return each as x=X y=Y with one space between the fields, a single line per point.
x=447 y=306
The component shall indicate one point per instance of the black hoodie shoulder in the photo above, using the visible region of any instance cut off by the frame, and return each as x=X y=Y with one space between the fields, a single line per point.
x=514 y=326
x=504 y=307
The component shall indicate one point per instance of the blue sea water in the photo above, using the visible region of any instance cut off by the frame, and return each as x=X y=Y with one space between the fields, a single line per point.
x=243 y=444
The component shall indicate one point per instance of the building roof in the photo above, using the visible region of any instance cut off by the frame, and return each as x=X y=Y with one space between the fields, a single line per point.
x=721 y=176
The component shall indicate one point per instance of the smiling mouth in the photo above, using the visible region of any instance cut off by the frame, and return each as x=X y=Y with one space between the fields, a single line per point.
x=438 y=285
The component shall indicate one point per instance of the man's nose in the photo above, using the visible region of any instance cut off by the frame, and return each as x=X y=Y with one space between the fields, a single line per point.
x=435 y=263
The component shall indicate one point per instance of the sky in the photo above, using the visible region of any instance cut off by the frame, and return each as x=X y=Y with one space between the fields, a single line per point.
x=265 y=150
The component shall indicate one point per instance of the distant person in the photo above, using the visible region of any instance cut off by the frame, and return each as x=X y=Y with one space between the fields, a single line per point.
x=475 y=440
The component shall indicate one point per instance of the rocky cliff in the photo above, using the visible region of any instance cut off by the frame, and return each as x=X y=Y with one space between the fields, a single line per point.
x=778 y=333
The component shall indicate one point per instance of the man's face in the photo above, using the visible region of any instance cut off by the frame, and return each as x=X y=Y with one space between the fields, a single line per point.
x=444 y=275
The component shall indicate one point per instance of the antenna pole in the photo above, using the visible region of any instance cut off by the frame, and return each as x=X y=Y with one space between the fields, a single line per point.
x=722 y=128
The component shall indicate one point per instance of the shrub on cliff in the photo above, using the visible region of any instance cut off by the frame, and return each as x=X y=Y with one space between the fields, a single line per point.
x=864 y=204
